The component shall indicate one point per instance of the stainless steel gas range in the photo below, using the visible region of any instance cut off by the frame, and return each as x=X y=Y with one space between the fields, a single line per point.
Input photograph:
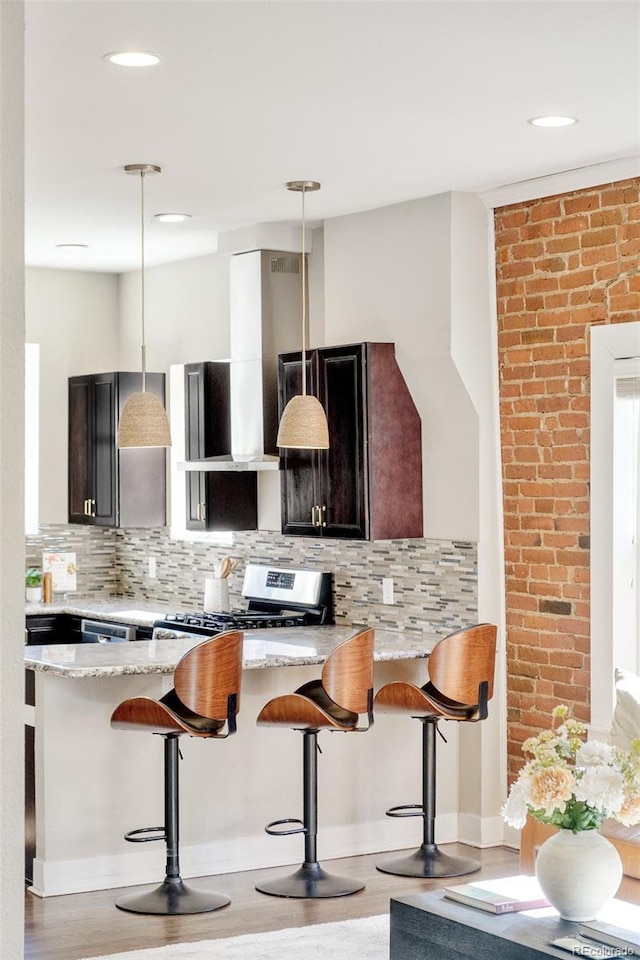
x=276 y=597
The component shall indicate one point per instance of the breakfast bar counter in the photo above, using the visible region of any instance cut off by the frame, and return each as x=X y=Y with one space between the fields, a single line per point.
x=93 y=783
x=293 y=647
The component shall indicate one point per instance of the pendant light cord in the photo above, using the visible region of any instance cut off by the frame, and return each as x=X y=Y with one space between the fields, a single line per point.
x=304 y=301
x=144 y=351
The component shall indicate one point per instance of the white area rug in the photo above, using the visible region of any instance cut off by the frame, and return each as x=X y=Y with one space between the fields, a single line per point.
x=363 y=939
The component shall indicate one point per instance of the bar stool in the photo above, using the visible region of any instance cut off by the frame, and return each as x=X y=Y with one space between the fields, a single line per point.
x=335 y=702
x=204 y=702
x=460 y=669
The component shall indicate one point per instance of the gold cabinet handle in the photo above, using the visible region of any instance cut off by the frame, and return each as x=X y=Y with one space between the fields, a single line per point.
x=317 y=516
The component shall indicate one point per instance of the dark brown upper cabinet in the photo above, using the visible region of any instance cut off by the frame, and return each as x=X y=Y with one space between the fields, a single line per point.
x=216 y=500
x=110 y=487
x=368 y=484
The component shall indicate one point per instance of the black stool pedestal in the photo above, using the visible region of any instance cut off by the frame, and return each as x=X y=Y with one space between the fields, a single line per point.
x=428 y=861
x=310 y=880
x=172 y=897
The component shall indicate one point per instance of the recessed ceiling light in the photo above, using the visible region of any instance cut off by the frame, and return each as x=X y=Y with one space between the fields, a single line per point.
x=172 y=217
x=72 y=246
x=133 y=58
x=552 y=121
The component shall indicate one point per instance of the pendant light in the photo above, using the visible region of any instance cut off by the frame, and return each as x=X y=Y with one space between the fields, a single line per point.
x=143 y=422
x=303 y=424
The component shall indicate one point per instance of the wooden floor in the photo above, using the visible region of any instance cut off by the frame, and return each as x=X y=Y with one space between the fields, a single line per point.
x=88 y=924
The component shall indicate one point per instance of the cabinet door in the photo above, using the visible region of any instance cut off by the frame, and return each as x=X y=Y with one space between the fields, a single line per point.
x=103 y=505
x=215 y=500
x=45 y=629
x=299 y=475
x=141 y=474
x=80 y=445
x=343 y=478
x=195 y=433
x=92 y=465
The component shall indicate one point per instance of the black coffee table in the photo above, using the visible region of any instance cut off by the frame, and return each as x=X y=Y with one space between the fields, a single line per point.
x=427 y=926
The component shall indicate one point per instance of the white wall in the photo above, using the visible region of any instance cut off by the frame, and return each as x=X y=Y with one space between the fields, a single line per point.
x=419 y=274
x=73 y=315
x=186 y=313
x=475 y=351
x=12 y=481
x=388 y=278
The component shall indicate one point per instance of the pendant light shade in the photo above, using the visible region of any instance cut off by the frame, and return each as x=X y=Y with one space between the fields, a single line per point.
x=304 y=423
x=143 y=422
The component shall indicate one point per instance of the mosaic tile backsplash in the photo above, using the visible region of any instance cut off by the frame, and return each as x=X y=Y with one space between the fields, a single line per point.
x=435 y=581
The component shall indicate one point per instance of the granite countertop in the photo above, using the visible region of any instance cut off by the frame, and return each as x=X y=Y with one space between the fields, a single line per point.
x=287 y=646
x=141 y=613
x=293 y=646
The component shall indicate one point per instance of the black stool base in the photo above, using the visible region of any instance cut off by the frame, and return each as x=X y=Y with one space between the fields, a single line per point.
x=429 y=862
x=172 y=898
x=310 y=881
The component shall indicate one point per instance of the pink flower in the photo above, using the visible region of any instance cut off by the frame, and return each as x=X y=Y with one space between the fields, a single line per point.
x=550 y=788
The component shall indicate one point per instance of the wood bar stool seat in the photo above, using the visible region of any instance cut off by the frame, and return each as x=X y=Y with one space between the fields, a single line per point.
x=203 y=703
x=336 y=702
x=461 y=670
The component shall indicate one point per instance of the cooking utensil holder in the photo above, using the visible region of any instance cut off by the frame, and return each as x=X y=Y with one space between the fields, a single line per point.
x=216 y=594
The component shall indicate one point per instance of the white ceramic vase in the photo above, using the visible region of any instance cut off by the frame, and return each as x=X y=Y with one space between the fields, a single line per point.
x=33 y=594
x=579 y=873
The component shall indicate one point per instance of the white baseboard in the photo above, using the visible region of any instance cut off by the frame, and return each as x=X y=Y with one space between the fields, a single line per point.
x=480 y=831
x=52 y=878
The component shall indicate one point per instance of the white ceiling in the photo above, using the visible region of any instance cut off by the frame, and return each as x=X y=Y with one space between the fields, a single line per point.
x=380 y=101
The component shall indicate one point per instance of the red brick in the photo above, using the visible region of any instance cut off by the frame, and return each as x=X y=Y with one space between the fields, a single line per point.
x=571 y=225
x=581 y=203
x=598 y=238
x=545 y=210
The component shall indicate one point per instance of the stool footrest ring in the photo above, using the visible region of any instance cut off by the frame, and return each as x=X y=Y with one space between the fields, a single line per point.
x=134 y=836
x=270 y=827
x=405 y=810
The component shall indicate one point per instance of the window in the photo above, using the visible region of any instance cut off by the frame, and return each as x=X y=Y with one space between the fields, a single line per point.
x=614 y=512
x=626 y=512
x=31 y=436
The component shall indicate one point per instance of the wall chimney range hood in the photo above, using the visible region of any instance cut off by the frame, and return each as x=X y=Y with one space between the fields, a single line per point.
x=265 y=310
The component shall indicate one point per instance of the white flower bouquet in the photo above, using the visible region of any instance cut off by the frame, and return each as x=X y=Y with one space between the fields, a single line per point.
x=575 y=783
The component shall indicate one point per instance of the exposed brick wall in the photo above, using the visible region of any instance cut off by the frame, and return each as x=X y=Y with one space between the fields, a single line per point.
x=564 y=263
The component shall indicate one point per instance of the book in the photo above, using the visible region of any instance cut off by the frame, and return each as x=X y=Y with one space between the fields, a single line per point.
x=505 y=895
x=627 y=940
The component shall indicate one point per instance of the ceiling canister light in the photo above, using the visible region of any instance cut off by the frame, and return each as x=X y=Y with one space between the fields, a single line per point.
x=552 y=121
x=171 y=217
x=133 y=58
x=304 y=423
x=143 y=422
